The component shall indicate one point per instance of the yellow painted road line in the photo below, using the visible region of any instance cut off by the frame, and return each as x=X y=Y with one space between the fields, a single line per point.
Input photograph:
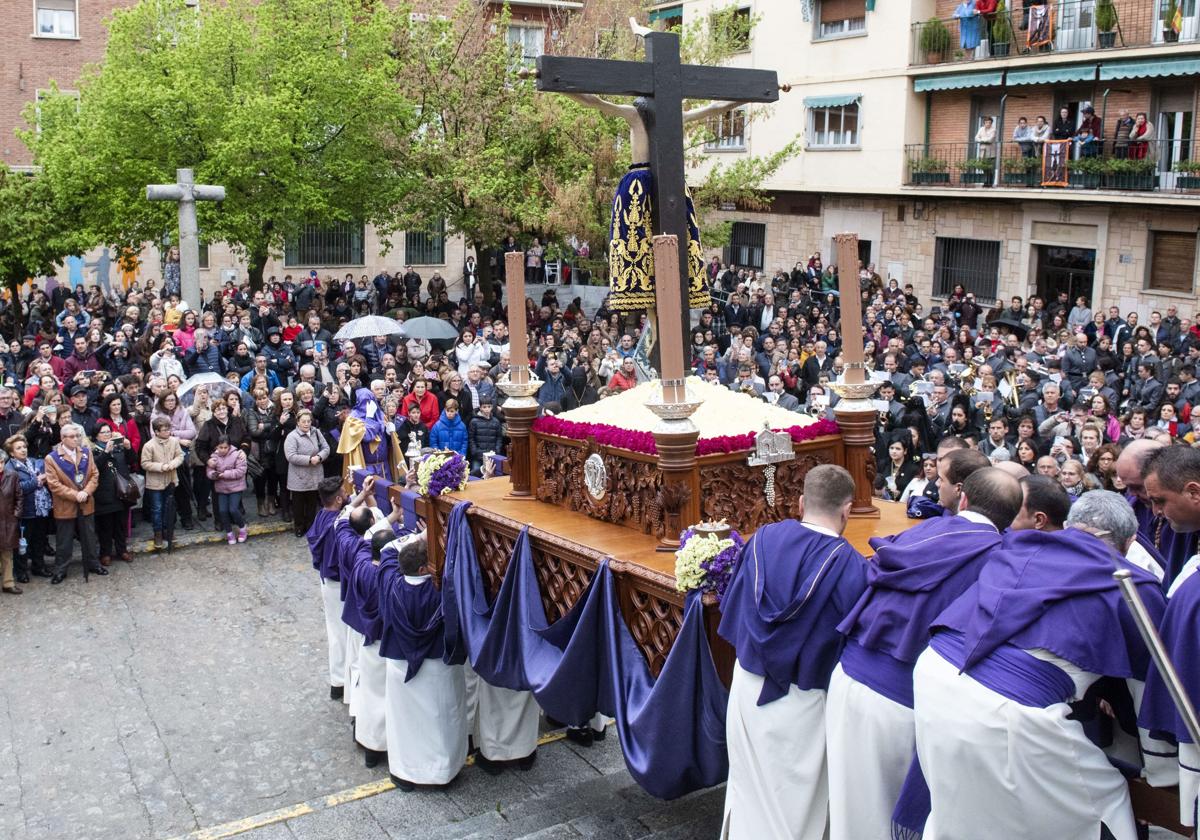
x=354 y=794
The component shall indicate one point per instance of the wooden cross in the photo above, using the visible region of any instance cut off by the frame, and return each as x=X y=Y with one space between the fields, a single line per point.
x=661 y=84
x=187 y=192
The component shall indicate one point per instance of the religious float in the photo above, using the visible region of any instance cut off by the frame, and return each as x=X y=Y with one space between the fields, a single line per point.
x=562 y=580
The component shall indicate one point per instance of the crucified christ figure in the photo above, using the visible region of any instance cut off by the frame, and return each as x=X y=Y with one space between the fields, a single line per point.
x=630 y=254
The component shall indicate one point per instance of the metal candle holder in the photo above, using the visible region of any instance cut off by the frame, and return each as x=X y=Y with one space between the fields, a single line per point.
x=520 y=394
x=856 y=396
x=674 y=417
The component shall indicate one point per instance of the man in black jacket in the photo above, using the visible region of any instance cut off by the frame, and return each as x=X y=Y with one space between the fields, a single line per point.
x=735 y=313
x=305 y=342
x=819 y=362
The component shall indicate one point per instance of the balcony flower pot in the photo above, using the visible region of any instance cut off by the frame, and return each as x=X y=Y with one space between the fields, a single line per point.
x=934 y=41
x=1187 y=174
x=976 y=171
x=1142 y=181
x=930 y=178
x=1021 y=179
x=1106 y=22
x=1122 y=174
x=927 y=171
x=1001 y=31
x=1084 y=180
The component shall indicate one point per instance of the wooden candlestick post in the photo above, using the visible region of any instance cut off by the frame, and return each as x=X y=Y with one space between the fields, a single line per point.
x=520 y=408
x=668 y=295
x=675 y=436
x=518 y=328
x=854 y=413
x=846 y=245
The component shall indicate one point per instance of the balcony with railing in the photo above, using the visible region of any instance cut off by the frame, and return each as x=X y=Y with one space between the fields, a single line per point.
x=1156 y=166
x=1058 y=26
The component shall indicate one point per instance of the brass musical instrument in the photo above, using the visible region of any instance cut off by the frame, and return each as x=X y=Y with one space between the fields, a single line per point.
x=1014 y=394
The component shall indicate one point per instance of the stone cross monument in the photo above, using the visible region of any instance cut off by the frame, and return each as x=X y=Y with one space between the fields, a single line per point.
x=187 y=193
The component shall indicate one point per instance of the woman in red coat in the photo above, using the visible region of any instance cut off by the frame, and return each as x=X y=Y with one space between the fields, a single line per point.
x=114 y=415
x=420 y=395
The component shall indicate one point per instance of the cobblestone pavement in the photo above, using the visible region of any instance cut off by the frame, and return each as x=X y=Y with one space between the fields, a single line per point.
x=184 y=692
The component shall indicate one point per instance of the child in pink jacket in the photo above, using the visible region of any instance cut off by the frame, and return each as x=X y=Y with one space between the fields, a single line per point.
x=227 y=471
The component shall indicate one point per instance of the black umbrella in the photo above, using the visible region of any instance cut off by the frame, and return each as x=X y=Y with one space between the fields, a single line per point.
x=1013 y=326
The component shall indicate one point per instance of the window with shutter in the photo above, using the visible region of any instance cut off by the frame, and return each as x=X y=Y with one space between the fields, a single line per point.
x=841 y=17
x=1172 y=261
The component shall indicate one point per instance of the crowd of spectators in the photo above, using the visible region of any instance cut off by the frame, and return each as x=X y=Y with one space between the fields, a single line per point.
x=1041 y=383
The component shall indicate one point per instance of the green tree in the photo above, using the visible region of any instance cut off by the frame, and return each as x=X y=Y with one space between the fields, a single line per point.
x=498 y=158
x=37 y=232
x=292 y=105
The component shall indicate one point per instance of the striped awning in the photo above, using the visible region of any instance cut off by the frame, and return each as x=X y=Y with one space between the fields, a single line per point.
x=831 y=101
x=1149 y=69
x=1053 y=75
x=668 y=12
x=958 y=81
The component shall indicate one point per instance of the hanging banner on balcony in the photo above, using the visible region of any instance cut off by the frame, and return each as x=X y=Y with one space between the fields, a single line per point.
x=1055 y=154
x=1041 y=26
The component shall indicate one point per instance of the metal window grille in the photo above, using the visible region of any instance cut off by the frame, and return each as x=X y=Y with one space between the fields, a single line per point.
x=973 y=263
x=337 y=244
x=747 y=240
x=426 y=247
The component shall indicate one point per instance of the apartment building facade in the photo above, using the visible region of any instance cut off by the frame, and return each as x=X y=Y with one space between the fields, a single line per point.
x=44 y=43
x=888 y=99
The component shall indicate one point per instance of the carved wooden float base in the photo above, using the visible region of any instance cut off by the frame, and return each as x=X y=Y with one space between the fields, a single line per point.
x=568 y=547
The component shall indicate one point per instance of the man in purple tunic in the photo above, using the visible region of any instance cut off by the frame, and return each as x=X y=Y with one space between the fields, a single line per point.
x=362 y=613
x=426 y=698
x=353 y=528
x=1172 y=486
x=321 y=543
x=912 y=578
x=995 y=738
x=795 y=581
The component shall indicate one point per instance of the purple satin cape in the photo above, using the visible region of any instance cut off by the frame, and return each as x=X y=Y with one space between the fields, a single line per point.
x=352 y=614
x=913 y=577
x=374 y=428
x=1174 y=549
x=413 y=629
x=672 y=729
x=1052 y=591
x=1179 y=634
x=321 y=543
x=361 y=610
x=791 y=587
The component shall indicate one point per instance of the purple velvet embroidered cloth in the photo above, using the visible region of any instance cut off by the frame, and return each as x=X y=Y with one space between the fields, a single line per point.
x=672 y=729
